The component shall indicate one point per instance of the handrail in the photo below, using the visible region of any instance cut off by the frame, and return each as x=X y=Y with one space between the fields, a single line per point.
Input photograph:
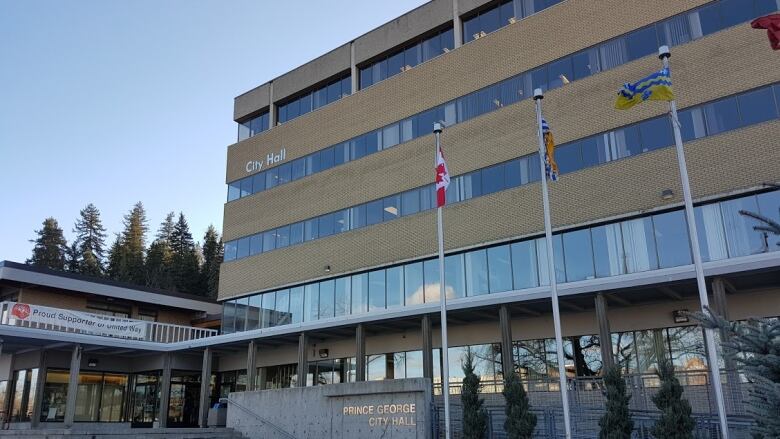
x=156 y=332
x=259 y=418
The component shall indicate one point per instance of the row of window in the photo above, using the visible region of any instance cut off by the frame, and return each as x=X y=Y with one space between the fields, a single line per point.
x=330 y=92
x=676 y=30
x=630 y=246
x=253 y=126
x=501 y=14
x=416 y=52
x=708 y=119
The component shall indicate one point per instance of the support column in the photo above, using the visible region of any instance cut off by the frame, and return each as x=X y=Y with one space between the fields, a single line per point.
x=271 y=106
x=353 y=70
x=251 y=369
x=262 y=374
x=73 y=385
x=8 y=394
x=165 y=391
x=205 y=388
x=38 y=397
x=360 y=353
x=505 y=323
x=303 y=356
x=605 y=336
x=457 y=25
x=427 y=347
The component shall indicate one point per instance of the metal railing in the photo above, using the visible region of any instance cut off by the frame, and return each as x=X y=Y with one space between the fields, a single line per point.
x=155 y=332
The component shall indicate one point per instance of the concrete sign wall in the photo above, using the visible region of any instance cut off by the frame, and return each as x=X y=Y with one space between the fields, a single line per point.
x=390 y=409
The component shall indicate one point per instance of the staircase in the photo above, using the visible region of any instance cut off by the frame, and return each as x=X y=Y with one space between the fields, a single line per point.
x=121 y=432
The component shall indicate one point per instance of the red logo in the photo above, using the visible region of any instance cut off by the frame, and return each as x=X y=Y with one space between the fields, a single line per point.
x=21 y=311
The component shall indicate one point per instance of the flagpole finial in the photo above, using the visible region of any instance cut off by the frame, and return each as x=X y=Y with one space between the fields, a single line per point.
x=437 y=127
x=538 y=94
x=663 y=52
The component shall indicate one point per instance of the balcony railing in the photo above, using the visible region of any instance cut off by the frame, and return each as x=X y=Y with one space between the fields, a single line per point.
x=80 y=322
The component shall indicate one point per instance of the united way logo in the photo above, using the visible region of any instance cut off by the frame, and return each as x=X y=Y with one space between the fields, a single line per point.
x=21 y=311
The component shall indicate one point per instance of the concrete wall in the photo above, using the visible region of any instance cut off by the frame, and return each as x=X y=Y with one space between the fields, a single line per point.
x=311 y=73
x=330 y=411
x=252 y=101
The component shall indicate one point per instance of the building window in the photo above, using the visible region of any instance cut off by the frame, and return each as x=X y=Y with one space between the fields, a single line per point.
x=253 y=126
x=331 y=91
x=25 y=383
x=147 y=314
x=109 y=309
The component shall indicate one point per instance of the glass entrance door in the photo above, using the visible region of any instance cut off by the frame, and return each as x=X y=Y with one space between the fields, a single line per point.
x=146 y=399
x=185 y=399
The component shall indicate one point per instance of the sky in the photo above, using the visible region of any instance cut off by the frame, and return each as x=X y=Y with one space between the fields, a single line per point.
x=115 y=102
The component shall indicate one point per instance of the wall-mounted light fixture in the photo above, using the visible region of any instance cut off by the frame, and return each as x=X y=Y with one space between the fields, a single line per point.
x=92 y=362
x=327 y=268
x=680 y=316
x=667 y=194
x=324 y=353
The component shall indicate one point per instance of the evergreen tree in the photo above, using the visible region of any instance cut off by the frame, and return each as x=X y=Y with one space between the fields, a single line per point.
x=676 y=421
x=134 y=246
x=90 y=242
x=186 y=268
x=165 y=232
x=116 y=259
x=616 y=422
x=212 y=258
x=520 y=422
x=72 y=263
x=50 y=247
x=159 y=257
x=755 y=346
x=474 y=414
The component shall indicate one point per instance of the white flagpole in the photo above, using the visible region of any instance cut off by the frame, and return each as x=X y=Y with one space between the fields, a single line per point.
x=709 y=334
x=538 y=96
x=445 y=368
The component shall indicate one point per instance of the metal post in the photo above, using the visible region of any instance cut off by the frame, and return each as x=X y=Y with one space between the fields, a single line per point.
x=605 y=336
x=505 y=322
x=360 y=353
x=251 y=369
x=73 y=385
x=38 y=397
x=205 y=388
x=437 y=129
x=303 y=363
x=712 y=352
x=165 y=391
x=427 y=347
x=538 y=96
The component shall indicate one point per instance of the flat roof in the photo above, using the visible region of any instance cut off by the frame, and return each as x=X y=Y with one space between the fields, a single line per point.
x=28 y=274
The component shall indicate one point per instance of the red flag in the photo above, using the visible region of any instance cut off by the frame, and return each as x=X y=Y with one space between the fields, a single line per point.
x=772 y=25
x=442 y=179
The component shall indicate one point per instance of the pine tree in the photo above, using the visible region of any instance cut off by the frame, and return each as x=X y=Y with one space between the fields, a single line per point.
x=159 y=257
x=520 y=422
x=755 y=346
x=115 y=268
x=616 y=422
x=50 y=247
x=474 y=414
x=676 y=421
x=212 y=258
x=72 y=262
x=134 y=246
x=186 y=268
x=90 y=242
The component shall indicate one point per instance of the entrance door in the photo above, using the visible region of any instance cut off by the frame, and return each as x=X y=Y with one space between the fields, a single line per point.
x=185 y=399
x=146 y=398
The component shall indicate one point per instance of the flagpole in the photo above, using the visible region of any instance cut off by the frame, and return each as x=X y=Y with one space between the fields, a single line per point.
x=538 y=96
x=445 y=368
x=709 y=335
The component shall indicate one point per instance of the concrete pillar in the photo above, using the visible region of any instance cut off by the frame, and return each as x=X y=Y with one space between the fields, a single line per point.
x=605 y=336
x=38 y=397
x=505 y=323
x=165 y=391
x=457 y=25
x=360 y=353
x=353 y=70
x=427 y=347
x=8 y=394
x=271 y=106
x=73 y=385
x=262 y=374
x=205 y=387
x=251 y=369
x=303 y=359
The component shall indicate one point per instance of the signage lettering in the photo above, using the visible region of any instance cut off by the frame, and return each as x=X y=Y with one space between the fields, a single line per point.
x=83 y=322
x=270 y=159
x=397 y=415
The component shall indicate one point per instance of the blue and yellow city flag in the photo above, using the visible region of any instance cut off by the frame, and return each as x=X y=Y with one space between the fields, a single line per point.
x=655 y=87
x=550 y=167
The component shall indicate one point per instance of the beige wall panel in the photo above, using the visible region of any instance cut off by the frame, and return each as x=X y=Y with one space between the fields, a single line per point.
x=541 y=38
x=332 y=63
x=251 y=101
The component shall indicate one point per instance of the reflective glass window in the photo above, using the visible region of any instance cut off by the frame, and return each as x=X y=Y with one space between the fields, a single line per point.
x=454 y=276
x=326 y=159
x=311 y=304
x=608 y=250
x=585 y=63
x=258 y=182
x=722 y=116
x=343 y=288
x=712 y=235
x=325 y=225
x=296 y=233
x=769 y=206
x=560 y=72
x=624 y=351
x=374 y=212
x=476 y=273
x=413 y=55
x=568 y=158
x=656 y=133
x=671 y=239
x=243 y=131
x=395 y=286
x=282 y=307
x=639 y=245
x=334 y=91
x=296 y=305
x=410 y=202
x=499 y=268
x=641 y=42
x=358 y=214
x=376 y=290
x=447 y=40
x=282 y=237
x=431 y=47
x=390 y=136
x=358 y=147
x=327 y=298
x=298 y=169
x=524 y=265
x=471 y=184
x=757 y=106
x=246 y=187
x=741 y=238
x=256 y=244
x=271 y=178
x=541 y=256
x=268 y=315
x=391 y=207
x=243 y=248
x=341 y=153
x=241 y=306
x=413 y=283
x=414 y=364
x=407 y=129
x=733 y=12
x=394 y=64
x=305 y=103
x=341 y=221
x=578 y=255
x=230 y=250
x=493 y=179
x=310 y=229
x=359 y=293
x=692 y=124
x=686 y=348
x=373 y=141
x=675 y=31
x=228 y=317
x=234 y=190
x=431 y=278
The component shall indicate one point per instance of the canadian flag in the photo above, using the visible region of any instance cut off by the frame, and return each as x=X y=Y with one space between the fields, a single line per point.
x=442 y=179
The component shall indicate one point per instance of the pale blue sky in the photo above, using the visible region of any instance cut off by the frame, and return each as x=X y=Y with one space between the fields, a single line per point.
x=113 y=102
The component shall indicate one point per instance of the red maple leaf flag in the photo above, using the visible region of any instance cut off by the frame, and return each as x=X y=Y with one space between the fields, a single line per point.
x=442 y=179
x=772 y=25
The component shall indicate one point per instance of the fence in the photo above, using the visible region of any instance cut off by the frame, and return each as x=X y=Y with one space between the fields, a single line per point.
x=587 y=401
x=149 y=331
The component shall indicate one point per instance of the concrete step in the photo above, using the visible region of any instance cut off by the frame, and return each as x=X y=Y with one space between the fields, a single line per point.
x=125 y=433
